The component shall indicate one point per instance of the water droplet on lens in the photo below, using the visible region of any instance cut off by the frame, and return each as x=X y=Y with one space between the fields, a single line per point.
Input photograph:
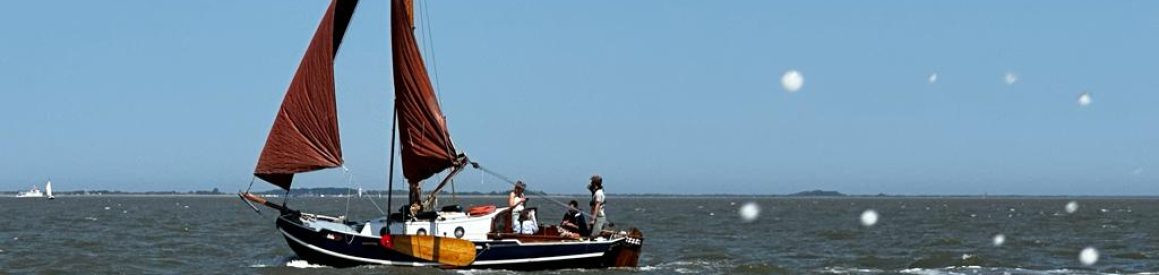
x=1071 y=207
x=869 y=217
x=1084 y=99
x=1089 y=256
x=750 y=211
x=792 y=81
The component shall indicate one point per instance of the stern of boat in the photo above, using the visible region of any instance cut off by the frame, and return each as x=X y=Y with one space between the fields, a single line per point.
x=627 y=252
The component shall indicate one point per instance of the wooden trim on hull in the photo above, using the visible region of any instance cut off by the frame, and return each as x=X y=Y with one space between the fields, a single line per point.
x=329 y=248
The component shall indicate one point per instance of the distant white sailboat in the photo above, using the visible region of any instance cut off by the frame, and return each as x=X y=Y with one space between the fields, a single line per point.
x=48 y=189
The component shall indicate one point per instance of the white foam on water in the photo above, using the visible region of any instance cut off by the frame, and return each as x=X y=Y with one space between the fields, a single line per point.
x=869 y=217
x=999 y=239
x=485 y=271
x=649 y=268
x=302 y=264
x=750 y=212
x=1089 y=256
x=848 y=270
x=922 y=271
x=107 y=208
x=792 y=81
x=91 y=218
x=1071 y=207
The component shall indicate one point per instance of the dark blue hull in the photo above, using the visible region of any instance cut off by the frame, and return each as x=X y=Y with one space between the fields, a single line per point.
x=346 y=250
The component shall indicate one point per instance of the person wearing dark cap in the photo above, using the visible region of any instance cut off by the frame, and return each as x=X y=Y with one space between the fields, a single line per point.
x=598 y=203
x=516 y=200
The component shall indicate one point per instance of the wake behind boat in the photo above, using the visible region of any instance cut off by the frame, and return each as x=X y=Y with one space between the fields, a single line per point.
x=304 y=138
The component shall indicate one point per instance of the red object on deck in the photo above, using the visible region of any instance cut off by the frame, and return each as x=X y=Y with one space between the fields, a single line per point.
x=481 y=210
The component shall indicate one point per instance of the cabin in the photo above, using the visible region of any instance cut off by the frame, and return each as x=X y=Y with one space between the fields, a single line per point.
x=476 y=224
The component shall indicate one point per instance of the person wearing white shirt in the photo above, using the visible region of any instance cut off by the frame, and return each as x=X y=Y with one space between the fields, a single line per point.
x=598 y=203
x=516 y=201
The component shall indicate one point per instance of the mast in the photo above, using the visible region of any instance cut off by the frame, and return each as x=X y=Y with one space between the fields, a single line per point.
x=422 y=128
x=304 y=136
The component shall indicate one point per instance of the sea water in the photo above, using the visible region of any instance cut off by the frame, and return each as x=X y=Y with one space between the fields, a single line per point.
x=696 y=235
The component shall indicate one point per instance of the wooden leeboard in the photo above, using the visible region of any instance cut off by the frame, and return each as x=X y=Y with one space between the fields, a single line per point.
x=448 y=251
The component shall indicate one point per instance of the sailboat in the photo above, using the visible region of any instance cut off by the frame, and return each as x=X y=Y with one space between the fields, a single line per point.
x=48 y=190
x=304 y=138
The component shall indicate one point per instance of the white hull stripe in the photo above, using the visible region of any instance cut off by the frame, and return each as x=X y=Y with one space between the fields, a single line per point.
x=476 y=263
x=542 y=259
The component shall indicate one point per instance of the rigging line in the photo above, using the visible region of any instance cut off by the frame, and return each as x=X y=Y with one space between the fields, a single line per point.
x=250 y=183
x=509 y=181
x=349 y=183
x=359 y=185
x=431 y=40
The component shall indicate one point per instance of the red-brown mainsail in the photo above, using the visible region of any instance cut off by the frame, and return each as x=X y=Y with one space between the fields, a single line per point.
x=426 y=143
x=305 y=133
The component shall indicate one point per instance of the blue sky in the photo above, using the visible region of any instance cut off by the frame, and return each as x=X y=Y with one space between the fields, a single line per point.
x=657 y=96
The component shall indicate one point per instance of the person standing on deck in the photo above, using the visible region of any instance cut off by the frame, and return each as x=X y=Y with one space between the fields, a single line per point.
x=516 y=200
x=598 y=202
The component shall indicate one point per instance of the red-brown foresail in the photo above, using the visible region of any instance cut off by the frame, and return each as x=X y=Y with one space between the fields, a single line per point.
x=426 y=144
x=305 y=133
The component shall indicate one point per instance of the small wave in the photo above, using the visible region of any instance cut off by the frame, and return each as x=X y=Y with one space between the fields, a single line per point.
x=1131 y=255
x=848 y=270
x=948 y=241
x=759 y=268
x=649 y=268
x=939 y=260
x=837 y=235
x=303 y=264
x=695 y=266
